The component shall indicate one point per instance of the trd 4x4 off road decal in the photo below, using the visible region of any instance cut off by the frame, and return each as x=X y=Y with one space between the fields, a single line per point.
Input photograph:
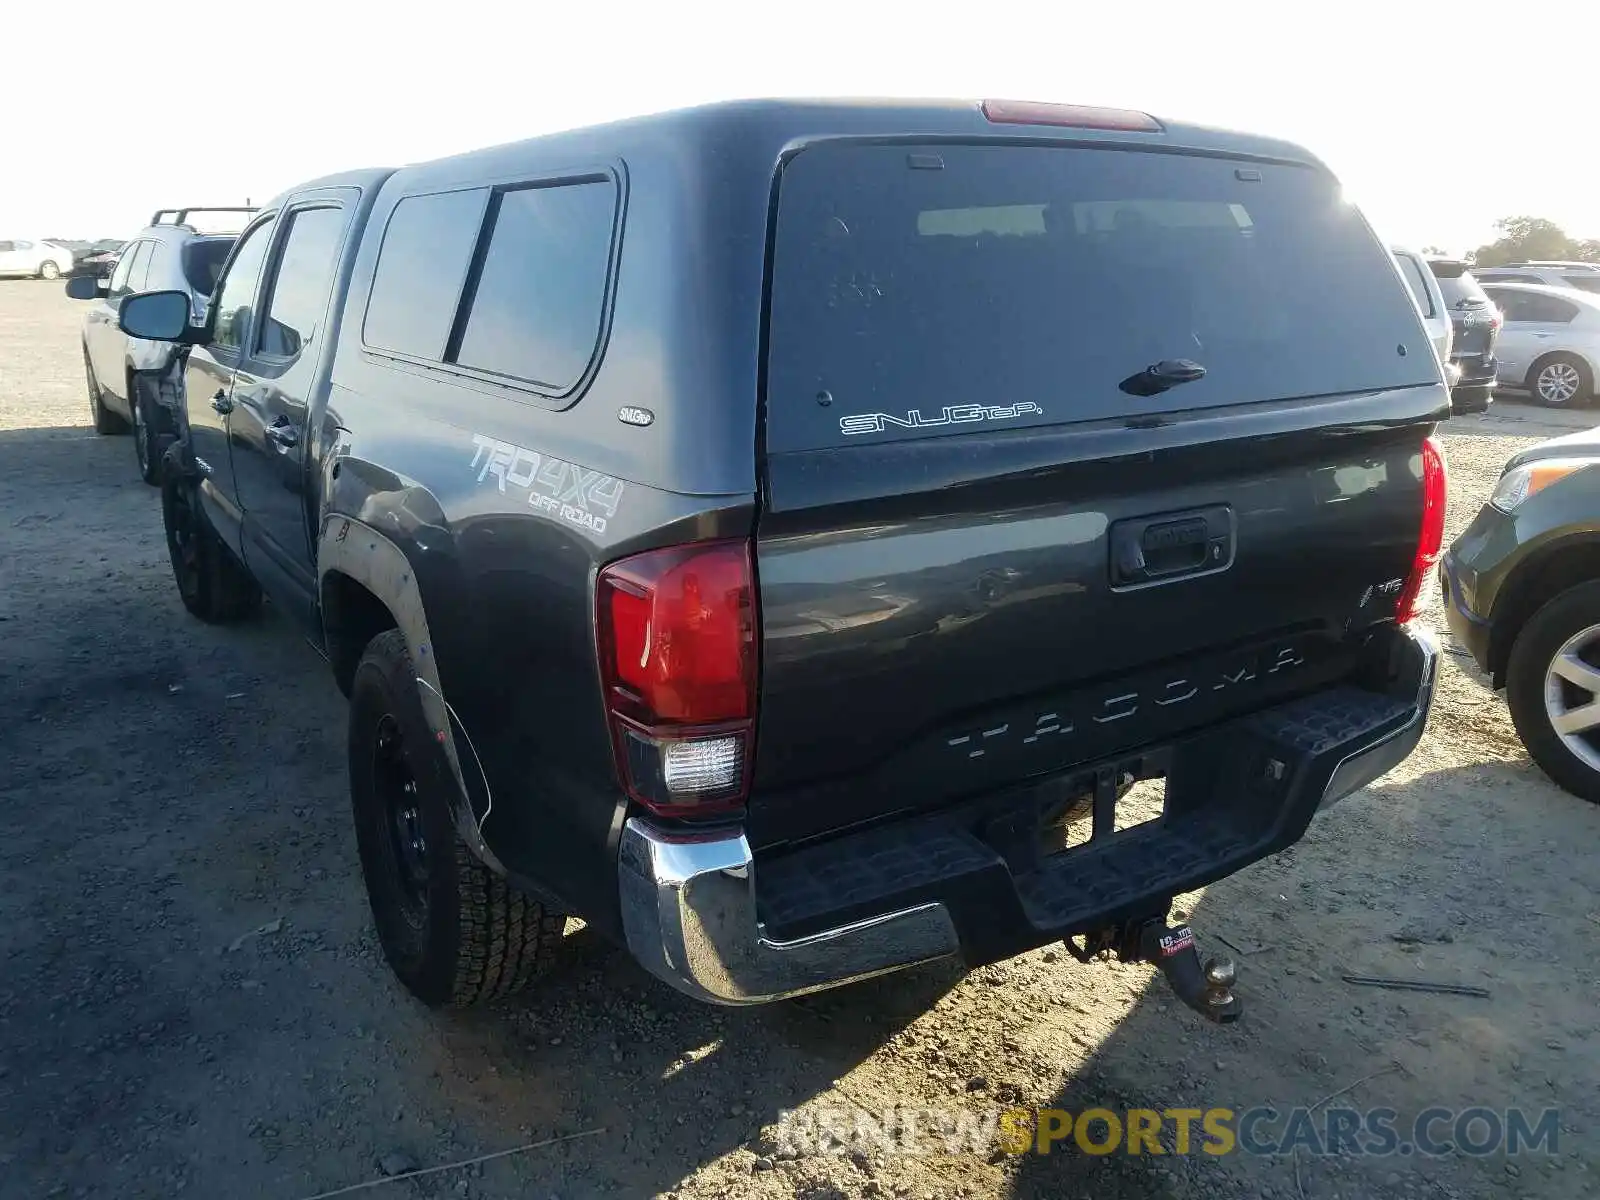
x=954 y=414
x=554 y=486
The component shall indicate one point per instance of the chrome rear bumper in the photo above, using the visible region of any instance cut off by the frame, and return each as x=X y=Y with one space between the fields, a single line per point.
x=689 y=913
x=689 y=909
x=1418 y=650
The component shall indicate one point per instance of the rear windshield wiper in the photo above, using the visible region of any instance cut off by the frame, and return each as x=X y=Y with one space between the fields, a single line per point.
x=1158 y=377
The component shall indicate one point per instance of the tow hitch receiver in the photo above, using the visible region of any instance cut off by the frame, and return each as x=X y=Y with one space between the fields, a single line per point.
x=1207 y=989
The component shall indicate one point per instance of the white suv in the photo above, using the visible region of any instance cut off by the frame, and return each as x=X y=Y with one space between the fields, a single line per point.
x=34 y=260
x=1585 y=277
x=134 y=382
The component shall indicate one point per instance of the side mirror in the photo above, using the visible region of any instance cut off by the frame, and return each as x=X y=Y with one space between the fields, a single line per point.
x=85 y=287
x=159 y=316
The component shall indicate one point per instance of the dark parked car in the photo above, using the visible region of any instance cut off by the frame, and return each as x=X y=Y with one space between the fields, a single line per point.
x=98 y=260
x=133 y=383
x=1475 y=326
x=1522 y=593
x=779 y=533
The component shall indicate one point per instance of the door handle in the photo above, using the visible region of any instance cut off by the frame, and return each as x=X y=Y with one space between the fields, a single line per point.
x=221 y=403
x=282 y=433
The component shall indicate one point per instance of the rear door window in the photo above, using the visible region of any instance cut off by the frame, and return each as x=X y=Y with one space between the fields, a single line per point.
x=1550 y=310
x=1513 y=305
x=925 y=293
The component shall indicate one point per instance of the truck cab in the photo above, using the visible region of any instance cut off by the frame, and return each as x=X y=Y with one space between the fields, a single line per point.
x=781 y=533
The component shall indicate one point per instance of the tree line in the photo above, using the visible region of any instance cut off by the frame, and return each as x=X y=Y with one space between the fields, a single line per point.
x=1524 y=239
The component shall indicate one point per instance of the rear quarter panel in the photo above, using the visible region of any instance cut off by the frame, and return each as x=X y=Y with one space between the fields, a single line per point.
x=505 y=504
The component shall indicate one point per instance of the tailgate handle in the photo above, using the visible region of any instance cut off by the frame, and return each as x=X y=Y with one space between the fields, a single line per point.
x=1171 y=546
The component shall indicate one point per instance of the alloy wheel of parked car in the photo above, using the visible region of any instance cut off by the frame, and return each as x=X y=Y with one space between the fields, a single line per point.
x=49 y=270
x=1562 y=380
x=149 y=441
x=141 y=433
x=1553 y=689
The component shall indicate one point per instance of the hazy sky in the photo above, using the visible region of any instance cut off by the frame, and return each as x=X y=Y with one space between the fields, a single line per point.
x=1439 y=117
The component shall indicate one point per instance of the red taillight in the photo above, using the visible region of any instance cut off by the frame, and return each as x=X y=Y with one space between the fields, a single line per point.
x=1081 y=116
x=677 y=643
x=1414 y=597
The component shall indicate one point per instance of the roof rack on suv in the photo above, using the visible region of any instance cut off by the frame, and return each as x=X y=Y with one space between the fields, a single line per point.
x=1565 y=264
x=180 y=216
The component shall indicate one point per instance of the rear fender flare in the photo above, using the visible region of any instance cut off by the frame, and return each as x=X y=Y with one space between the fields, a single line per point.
x=349 y=547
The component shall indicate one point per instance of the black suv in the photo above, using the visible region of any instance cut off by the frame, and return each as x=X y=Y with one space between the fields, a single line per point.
x=1475 y=325
x=780 y=533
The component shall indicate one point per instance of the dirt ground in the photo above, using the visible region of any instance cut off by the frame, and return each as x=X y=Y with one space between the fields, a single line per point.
x=191 y=1001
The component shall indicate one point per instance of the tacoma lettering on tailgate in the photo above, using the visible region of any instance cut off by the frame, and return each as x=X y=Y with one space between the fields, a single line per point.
x=1119 y=702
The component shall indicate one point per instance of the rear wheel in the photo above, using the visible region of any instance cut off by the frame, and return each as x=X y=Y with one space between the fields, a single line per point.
x=213 y=584
x=452 y=930
x=1561 y=381
x=1553 y=689
x=49 y=270
x=103 y=419
x=150 y=425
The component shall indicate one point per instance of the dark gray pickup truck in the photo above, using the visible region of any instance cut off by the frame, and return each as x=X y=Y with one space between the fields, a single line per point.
x=780 y=534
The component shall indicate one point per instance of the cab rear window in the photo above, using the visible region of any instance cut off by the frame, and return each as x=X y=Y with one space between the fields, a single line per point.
x=924 y=291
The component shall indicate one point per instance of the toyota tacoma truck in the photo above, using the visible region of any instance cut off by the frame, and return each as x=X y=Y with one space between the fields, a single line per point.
x=780 y=534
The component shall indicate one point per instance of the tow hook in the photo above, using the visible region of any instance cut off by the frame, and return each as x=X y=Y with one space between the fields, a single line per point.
x=1207 y=989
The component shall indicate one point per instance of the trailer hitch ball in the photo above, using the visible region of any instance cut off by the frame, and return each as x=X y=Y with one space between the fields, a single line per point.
x=1207 y=989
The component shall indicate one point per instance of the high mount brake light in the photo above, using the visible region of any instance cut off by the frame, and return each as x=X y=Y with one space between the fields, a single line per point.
x=1080 y=116
x=1415 y=595
x=675 y=630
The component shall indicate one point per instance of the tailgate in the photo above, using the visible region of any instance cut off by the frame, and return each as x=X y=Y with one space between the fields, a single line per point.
x=988 y=549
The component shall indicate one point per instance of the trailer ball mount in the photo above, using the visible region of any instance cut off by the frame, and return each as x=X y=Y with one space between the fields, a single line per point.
x=1207 y=988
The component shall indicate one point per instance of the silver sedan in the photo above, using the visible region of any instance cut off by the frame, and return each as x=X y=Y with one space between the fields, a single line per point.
x=1550 y=342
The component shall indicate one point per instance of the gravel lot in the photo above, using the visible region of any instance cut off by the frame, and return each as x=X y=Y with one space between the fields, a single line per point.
x=191 y=1000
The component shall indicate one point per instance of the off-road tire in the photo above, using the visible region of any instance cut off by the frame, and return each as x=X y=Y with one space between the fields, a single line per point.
x=213 y=585
x=471 y=936
x=1531 y=654
x=102 y=418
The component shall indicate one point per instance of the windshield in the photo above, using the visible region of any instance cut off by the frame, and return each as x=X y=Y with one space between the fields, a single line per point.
x=925 y=290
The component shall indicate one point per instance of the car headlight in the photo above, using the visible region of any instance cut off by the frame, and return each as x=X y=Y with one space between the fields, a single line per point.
x=1519 y=483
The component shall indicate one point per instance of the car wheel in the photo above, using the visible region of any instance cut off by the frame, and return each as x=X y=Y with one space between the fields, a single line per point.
x=103 y=419
x=453 y=931
x=49 y=270
x=1561 y=381
x=213 y=584
x=1553 y=689
x=150 y=436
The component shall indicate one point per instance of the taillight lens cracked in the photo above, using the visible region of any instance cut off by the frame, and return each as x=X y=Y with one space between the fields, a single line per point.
x=678 y=661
